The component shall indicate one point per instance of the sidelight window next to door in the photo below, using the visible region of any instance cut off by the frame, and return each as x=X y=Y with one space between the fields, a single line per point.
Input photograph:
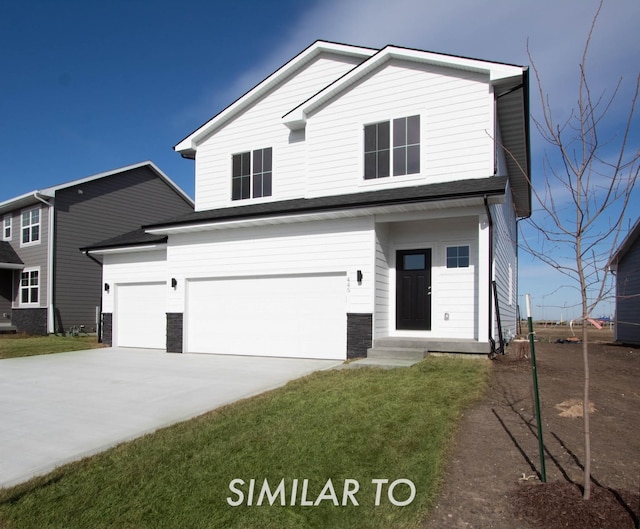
x=413 y=290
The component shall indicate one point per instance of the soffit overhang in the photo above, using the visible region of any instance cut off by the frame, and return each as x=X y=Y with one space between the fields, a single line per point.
x=455 y=194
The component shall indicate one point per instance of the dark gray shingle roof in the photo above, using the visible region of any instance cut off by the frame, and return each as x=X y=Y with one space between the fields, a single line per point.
x=8 y=255
x=491 y=186
x=137 y=237
x=477 y=187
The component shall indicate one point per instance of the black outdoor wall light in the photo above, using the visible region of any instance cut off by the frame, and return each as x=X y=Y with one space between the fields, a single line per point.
x=106 y=287
x=174 y=282
x=359 y=276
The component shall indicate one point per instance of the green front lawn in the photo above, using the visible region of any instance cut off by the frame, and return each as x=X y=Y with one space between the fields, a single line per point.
x=15 y=345
x=357 y=424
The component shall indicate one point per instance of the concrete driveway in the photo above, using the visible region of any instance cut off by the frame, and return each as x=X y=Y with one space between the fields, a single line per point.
x=59 y=408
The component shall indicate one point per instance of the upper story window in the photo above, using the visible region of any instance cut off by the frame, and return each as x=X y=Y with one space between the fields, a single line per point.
x=457 y=257
x=6 y=228
x=252 y=174
x=387 y=146
x=31 y=226
x=29 y=286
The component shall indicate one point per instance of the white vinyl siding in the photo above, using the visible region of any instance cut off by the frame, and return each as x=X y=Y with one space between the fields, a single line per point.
x=455 y=293
x=383 y=288
x=455 y=110
x=505 y=265
x=135 y=267
x=259 y=126
x=339 y=246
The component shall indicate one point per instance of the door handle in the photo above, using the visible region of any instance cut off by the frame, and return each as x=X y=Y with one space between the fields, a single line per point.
x=429 y=290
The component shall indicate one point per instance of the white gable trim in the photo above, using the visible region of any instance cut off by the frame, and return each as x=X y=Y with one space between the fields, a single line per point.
x=296 y=118
x=127 y=249
x=189 y=144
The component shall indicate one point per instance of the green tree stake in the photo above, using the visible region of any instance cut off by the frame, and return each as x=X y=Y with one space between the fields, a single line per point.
x=543 y=471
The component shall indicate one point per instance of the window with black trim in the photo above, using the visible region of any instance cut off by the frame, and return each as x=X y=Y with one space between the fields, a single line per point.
x=29 y=286
x=458 y=257
x=380 y=157
x=30 y=226
x=252 y=174
x=376 y=150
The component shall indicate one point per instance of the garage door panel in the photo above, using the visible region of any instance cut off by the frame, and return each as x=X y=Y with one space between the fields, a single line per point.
x=140 y=315
x=294 y=316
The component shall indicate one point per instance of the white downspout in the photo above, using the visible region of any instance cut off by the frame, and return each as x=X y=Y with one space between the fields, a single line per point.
x=50 y=239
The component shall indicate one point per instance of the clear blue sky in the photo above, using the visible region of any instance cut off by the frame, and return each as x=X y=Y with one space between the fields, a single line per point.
x=88 y=86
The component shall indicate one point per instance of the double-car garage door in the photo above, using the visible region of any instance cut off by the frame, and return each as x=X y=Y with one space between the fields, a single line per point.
x=293 y=316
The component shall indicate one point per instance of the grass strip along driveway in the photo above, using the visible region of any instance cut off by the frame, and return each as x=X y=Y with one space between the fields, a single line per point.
x=346 y=426
x=17 y=345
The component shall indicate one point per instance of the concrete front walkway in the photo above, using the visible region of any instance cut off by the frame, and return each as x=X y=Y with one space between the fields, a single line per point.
x=61 y=407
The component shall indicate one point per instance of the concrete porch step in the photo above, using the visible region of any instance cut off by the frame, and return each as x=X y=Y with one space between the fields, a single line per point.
x=400 y=353
x=418 y=348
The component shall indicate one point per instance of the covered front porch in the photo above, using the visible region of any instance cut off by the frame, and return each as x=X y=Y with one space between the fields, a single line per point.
x=432 y=284
x=10 y=263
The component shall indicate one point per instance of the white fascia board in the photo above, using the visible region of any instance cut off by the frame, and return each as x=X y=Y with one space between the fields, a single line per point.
x=296 y=118
x=243 y=223
x=327 y=215
x=22 y=201
x=11 y=266
x=171 y=183
x=128 y=249
x=190 y=143
x=50 y=191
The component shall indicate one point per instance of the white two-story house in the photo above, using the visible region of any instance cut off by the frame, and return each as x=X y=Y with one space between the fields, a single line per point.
x=355 y=198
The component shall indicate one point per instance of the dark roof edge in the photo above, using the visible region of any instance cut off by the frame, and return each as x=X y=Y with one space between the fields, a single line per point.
x=8 y=255
x=127 y=240
x=493 y=185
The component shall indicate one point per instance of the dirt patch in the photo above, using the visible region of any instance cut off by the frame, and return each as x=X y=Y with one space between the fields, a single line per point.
x=573 y=408
x=493 y=476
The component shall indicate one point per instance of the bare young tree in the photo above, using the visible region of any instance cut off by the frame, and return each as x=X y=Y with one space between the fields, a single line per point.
x=590 y=172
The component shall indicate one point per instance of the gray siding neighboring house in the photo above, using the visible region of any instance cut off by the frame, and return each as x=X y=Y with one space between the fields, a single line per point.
x=626 y=265
x=65 y=285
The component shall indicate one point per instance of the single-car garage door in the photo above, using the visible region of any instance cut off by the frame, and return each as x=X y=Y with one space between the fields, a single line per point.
x=294 y=316
x=140 y=319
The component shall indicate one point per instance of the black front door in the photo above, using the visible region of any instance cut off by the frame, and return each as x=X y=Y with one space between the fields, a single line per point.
x=413 y=290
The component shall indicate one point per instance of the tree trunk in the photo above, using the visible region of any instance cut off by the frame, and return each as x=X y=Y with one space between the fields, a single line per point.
x=585 y=413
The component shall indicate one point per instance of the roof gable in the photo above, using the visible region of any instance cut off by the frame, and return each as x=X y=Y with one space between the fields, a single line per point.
x=188 y=145
x=40 y=195
x=296 y=118
x=626 y=245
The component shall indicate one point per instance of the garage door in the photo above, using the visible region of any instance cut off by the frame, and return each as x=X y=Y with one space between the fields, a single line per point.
x=293 y=316
x=140 y=319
